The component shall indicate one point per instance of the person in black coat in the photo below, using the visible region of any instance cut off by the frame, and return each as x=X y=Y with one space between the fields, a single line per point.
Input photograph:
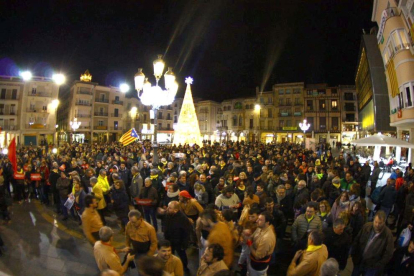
x=119 y=199
x=338 y=242
x=177 y=230
x=402 y=262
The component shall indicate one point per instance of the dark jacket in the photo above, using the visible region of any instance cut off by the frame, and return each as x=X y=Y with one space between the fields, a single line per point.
x=338 y=246
x=53 y=178
x=396 y=267
x=379 y=252
x=177 y=229
x=120 y=204
x=149 y=193
x=388 y=196
x=126 y=176
x=356 y=222
x=64 y=187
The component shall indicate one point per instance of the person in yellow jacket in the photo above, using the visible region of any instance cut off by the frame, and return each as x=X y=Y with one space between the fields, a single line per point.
x=99 y=195
x=103 y=181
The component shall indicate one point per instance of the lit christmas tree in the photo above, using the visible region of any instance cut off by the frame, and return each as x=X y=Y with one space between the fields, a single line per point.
x=187 y=130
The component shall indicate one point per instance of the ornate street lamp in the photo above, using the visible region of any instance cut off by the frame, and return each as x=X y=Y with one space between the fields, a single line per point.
x=155 y=96
x=75 y=126
x=304 y=126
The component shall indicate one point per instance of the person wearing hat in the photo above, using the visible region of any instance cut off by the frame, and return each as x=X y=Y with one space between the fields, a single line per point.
x=190 y=206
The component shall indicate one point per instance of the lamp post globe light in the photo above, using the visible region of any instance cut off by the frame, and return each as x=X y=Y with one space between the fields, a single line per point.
x=155 y=96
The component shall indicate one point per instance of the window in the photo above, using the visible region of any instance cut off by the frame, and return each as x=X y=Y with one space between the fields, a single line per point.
x=288 y=101
x=3 y=94
x=397 y=41
x=240 y=121
x=288 y=123
x=281 y=91
x=297 y=101
x=175 y=119
x=12 y=109
x=116 y=98
x=251 y=123
x=322 y=105
x=334 y=91
x=322 y=122
x=270 y=113
x=310 y=121
x=270 y=100
x=296 y=91
x=247 y=106
x=159 y=125
x=281 y=102
x=287 y=91
x=34 y=91
x=115 y=125
x=234 y=120
x=270 y=125
x=281 y=123
x=409 y=101
x=400 y=100
x=100 y=123
x=1 y=109
x=44 y=108
x=334 y=104
x=335 y=123
x=309 y=105
x=159 y=115
x=168 y=126
x=145 y=117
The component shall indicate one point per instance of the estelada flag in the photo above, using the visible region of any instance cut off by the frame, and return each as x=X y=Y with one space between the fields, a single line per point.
x=129 y=137
x=12 y=154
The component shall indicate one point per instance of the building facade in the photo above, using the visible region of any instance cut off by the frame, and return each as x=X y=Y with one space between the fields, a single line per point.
x=323 y=112
x=99 y=110
x=371 y=88
x=28 y=110
x=349 y=113
x=395 y=38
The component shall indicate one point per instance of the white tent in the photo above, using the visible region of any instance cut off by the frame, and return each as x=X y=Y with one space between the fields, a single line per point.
x=379 y=141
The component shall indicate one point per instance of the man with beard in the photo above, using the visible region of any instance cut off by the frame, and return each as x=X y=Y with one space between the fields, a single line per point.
x=177 y=229
x=212 y=261
x=91 y=220
x=173 y=264
x=283 y=202
x=301 y=192
x=373 y=247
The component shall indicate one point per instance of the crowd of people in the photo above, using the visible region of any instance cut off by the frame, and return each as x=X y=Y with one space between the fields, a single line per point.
x=245 y=206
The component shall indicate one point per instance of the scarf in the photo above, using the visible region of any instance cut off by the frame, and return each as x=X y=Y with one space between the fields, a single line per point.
x=280 y=198
x=174 y=194
x=309 y=220
x=336 y=185
x=312 y=248
x=344 y=204
x=153 y=177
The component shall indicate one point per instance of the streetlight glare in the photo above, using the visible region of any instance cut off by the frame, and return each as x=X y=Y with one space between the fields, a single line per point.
x=59 y=79
x=5 y=151
x=55 y=103
x=54 y=150
x=124 y=87
x=257 y=107
x=26 y=75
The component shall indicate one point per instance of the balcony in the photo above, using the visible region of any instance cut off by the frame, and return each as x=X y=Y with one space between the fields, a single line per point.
x=284 y=114
x=103 y=114
x=39 y=94
x=9 y=127
x=117 y=102
x=165 y=129
x=83 y=103
x=84 y=127
x=97 y=100
x=84 y=92
x=36 y=126
x=115 y=128
x=297 y=114
x=30 y=110
x=8 y=113
x=100 y=127
x=117 y=115
x=349 y=108
x=298 y=104
x=82 y=115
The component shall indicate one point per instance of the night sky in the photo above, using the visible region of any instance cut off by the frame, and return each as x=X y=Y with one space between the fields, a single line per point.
x=228 y=47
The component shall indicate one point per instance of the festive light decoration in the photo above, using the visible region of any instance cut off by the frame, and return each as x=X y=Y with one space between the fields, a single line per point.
x=187 y=130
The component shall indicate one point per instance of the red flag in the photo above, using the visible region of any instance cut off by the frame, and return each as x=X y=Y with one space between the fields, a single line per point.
x=12 y=154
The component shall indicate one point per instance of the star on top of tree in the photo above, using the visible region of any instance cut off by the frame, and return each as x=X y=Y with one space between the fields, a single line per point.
x=189 y=80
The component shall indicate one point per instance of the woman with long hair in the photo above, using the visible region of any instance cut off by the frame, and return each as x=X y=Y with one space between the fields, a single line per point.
x=341 y=204
x=357 y=218
x=324 y=212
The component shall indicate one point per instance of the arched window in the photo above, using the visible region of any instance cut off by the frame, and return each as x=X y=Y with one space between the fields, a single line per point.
x=234 y=120
x=240 y=120
x=238 y=105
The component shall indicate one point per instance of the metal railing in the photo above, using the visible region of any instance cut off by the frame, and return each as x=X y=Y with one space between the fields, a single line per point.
x=100 y=127
x=84 y=92
x=97 y=100
x=82 y=103
x=115 y=128
x=117 y=102
x=101 y=114
x=36 y=126
x=116 y=115
x=36 y=110
x=39 y=94
x=9 y=127
x=82 y=115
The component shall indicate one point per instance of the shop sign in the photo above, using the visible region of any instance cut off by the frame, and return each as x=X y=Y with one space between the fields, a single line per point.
x=290 y=128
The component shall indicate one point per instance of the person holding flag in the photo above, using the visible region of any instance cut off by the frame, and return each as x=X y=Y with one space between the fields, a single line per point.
x=128 y=137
